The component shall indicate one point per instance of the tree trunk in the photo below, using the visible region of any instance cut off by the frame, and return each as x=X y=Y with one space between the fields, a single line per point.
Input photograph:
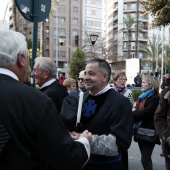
x=129 y=44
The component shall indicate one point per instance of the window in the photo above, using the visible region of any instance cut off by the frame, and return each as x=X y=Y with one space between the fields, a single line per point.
x=75 y=21
x=75 y=9
x=99 y=13
x=39 y=30
x=62 y=31
x=55 y=30
x=62 y=54
x=132 y=55
x=98 y=2
x=88 y=1
x=54 y=42
x=62 y=8
x=62 y=20
x=60 y=64
x=133 y=15
x=55 y=19
x=24 y=21
x=88 y=11
x=133 y=6
x=75 y=1
x=98 y=24
x=88 y=23
x=132 y=45
x=75 y=32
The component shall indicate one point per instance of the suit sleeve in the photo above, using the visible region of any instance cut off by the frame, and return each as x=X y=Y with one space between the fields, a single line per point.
x=55 y=143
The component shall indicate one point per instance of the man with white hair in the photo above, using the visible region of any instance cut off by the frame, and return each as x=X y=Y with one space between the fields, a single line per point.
x=32 y=130
x=45 y=72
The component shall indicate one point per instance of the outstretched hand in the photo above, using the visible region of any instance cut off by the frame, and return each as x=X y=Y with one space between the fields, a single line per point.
x=85 y=134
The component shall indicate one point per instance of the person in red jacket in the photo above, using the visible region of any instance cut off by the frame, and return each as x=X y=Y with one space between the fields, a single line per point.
x=61 y=78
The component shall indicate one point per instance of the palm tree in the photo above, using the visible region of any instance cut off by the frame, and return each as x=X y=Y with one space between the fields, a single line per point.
x=129 y=24
x=154 y=48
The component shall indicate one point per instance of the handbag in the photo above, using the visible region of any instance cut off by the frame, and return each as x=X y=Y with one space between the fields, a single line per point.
x=145 y=134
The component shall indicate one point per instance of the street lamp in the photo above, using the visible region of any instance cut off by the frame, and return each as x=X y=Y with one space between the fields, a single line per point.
x=93 y=38
x=61 y=40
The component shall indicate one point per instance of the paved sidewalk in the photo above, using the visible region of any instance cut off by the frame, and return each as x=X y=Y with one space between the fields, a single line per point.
x=135 y=156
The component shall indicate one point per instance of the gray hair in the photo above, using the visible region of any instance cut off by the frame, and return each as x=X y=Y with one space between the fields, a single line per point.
x=46 y=63
x=11 y=44
x=104 y=66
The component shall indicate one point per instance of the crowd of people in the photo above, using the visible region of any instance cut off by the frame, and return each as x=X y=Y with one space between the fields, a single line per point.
x=79 y=124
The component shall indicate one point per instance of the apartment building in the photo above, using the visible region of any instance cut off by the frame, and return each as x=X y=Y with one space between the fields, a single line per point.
x=65 y=21
x=116 y=39
x=71 y=18
x=92 y=15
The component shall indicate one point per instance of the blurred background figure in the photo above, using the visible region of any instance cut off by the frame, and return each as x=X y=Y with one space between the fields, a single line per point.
x=162 y=121
x=165 y=81
x=119 y=85
x=138 y=80
x=146 y=106
x=61 y=78
x=81 y=85
x=70 y=84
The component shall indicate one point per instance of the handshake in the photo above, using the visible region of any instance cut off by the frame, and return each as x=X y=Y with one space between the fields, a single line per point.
x=85 y=134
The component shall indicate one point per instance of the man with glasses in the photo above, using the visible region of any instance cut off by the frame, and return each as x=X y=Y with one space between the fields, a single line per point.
x=81 y=85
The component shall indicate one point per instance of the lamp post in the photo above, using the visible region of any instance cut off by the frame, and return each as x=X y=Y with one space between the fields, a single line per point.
x=93 y=39
x=61 y=40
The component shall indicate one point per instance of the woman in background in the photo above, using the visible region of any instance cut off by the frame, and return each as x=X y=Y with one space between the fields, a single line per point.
x=146 y=106
x=119 y=85
x=119 y=80
x=70 y=83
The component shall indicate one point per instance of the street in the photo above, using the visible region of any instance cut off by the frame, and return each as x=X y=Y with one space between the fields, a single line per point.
x=134 y=158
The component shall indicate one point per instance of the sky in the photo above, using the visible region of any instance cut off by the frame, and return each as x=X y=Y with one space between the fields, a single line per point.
x=3 y=4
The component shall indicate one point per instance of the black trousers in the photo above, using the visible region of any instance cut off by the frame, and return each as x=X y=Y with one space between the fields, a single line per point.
x=124 y=157
x=146 y=150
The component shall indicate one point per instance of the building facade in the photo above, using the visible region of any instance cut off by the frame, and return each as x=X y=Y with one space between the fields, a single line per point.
x=117 y=40
x=70 y=19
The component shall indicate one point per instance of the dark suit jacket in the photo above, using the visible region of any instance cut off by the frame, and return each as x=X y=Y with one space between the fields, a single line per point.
x=36 y=131
x=56 y=92
x=74 y=93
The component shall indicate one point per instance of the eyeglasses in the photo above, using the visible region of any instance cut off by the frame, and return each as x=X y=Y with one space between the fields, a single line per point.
x=82 y=79
x=122 y=79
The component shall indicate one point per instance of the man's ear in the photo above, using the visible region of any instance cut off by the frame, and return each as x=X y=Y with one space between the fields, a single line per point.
x=105 y=77
x=20 y=60
x=46 y=73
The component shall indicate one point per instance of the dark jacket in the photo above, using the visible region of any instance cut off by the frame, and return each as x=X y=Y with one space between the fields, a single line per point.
x=56 y=92
x=162 y=117
x=36 y=131
x=147 y=114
